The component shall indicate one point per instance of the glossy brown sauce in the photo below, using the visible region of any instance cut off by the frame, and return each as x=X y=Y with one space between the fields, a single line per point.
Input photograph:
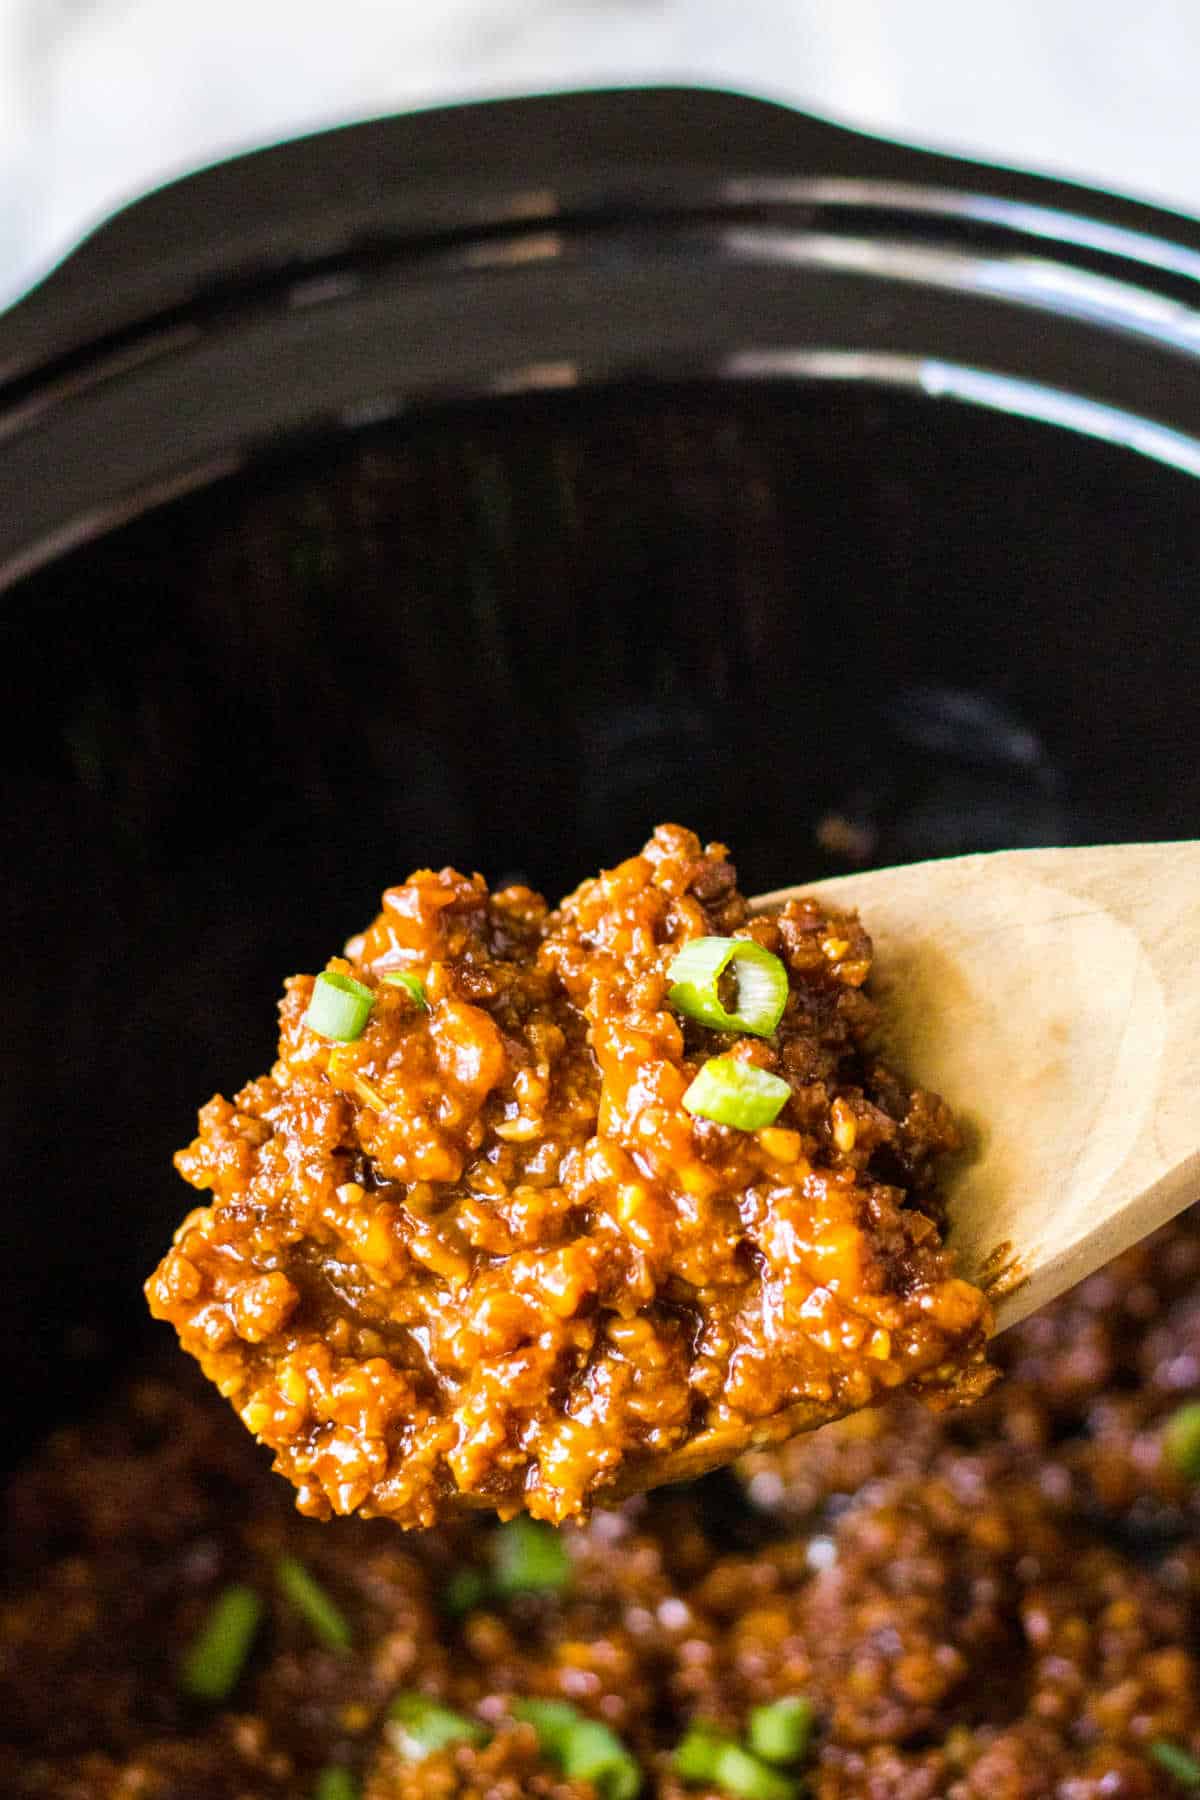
x=484 y=1255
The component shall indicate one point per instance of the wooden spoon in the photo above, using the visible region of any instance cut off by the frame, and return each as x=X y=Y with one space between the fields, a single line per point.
x=1053 y=998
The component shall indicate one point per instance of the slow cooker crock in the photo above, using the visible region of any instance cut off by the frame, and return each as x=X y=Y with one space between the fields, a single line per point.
x=487 y=485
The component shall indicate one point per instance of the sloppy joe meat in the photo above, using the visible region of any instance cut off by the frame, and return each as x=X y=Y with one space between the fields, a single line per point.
x=483 y=1254
x=994 y=1602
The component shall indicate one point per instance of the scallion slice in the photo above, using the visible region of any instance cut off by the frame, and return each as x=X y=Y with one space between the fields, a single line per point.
x=335 y=1783
x=412 y=984
x=339 y=1008
x=529 y=1557
x=1178 y=1762
x=464 y=1591
x=1182 y=1440
x=781 y=1732
x=744 y=1777
x=695 y=1756
x=709 y=1759
x=762 y=984
x=736 y=1093
x=217 y=1654
x=582 y=1748
x=313 y=1604
x=417 y=1726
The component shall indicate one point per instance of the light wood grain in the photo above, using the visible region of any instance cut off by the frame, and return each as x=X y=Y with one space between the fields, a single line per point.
x=1053 y=998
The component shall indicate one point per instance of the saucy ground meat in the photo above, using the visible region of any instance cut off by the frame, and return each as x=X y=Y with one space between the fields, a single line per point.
x=484 y=1253
x=998 y=1602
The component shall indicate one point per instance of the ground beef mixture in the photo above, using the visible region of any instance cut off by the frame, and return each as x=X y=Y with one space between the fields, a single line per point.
x=999 y=1602
x=483 y=1254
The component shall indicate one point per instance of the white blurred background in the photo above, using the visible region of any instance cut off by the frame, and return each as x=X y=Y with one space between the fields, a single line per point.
x=100 y=99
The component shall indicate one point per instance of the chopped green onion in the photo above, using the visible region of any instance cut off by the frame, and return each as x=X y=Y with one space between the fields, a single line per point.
x=218 y=1652
x=582 y=1748
x=762 y=984
x=736 y=1093
x=313 y=1604
x=335 y=1783
x=417 y=1726
x=741 y=1775
x=553 y=1720
x=1177 y=1762
x=1182 y=1440
x=782 y=1732
x=412 y=983
x=711 y=1760
x=339 y=1008
x=696 y=1753
x=465 y=1590
x=529 y=1557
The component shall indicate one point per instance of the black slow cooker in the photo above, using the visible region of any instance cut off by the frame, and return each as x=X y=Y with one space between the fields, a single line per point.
x=488 y=485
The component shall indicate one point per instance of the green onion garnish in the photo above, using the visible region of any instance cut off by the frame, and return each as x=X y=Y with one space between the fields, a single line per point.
x=335 y=1783
x=782 y=1732
x=1182 y=1440
x=736 y=1093
x=711 y=1760
x=762 y=984
x=582 y=1748
x=339 y=1008
x=218 y=1652
x=313 y=1604
x=413 y=984
x=529 y=1557
x=465 y=1590
x=417 y=1726
x=1177 y=1762
x=696 y=1753
x=738 y=1773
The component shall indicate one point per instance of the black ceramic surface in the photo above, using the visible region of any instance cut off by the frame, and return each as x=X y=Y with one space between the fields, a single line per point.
x=852 y=528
